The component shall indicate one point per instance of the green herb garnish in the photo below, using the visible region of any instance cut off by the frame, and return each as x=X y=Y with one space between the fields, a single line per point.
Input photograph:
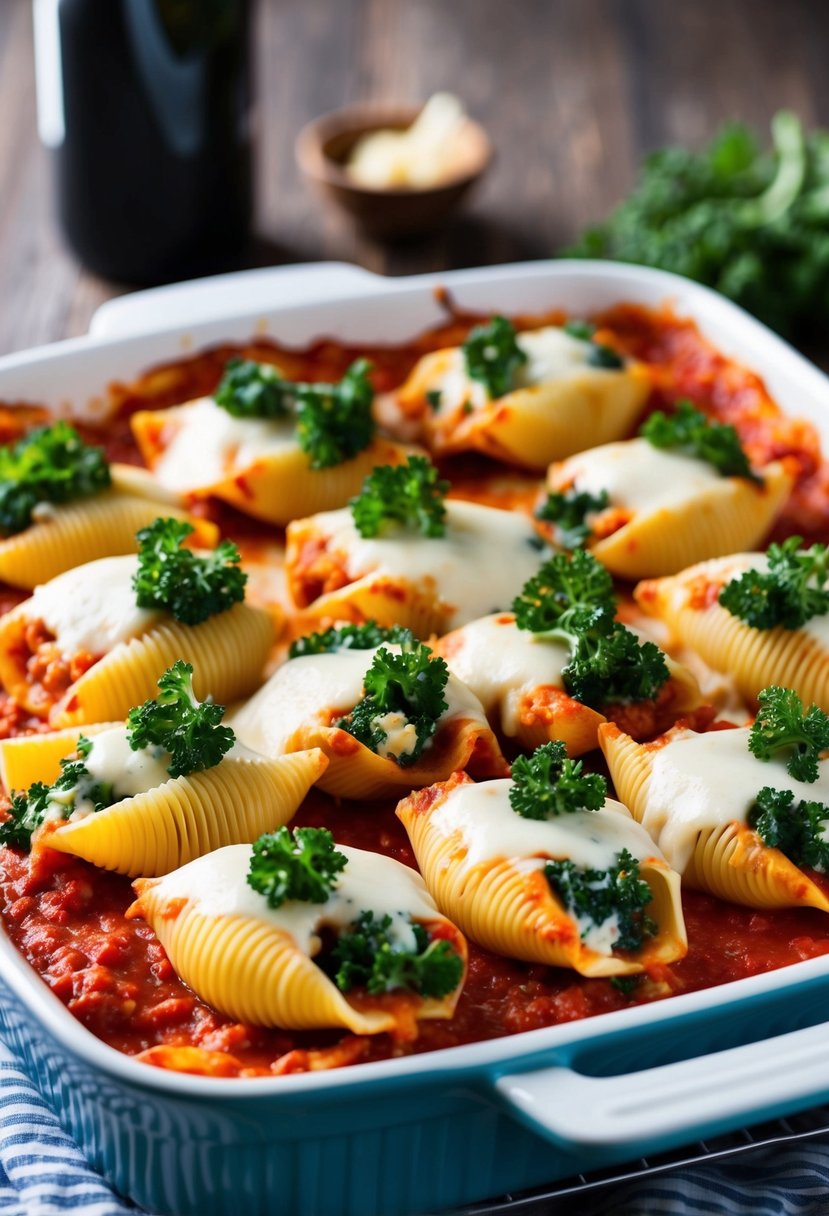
x=493 y=356
x=569 y=511
x=297 y=864
x=549 y=783
x=190 y=731
x=796 y=829
x=366 y=636
x=571 y=599
x=366 y=956
x=597 y=895
x=688 y=431
x=401 y=690
x=752 y=225
x=782 y=726
x=333 y=421
x=49 y=465
x=409 y=494
x=789 y=593
x=191 y=586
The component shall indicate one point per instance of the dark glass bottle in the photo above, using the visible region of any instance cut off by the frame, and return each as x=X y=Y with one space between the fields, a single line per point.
x=154 y=168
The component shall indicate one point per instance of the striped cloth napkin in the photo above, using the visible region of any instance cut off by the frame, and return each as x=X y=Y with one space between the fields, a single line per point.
x=43 y=1173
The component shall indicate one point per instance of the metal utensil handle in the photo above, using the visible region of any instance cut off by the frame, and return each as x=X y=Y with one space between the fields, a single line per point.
x=675 y=1102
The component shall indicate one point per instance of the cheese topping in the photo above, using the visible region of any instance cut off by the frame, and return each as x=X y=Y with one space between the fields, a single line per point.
x=500 y=663
x=208 y=444
x=702 y=781
x=309 y=689
x=479 y=566
x=216 y=885
x=92 y=607
x=639 y=477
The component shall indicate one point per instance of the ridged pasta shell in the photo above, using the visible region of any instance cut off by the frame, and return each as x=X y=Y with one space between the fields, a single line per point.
x=228 y=653
x=733 y=514
x=753 y=658
x=729 y=860
x=513 y=911
x=79 y=532
x=255 y=973
x=386 y=600
x=29 y=758
x=153 y=833
x=536 y=425
x=279 y=486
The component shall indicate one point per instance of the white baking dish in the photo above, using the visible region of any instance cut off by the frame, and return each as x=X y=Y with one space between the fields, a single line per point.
x=436 y=1131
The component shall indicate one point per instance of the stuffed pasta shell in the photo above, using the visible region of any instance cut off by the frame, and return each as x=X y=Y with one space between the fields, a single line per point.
x=146 y=796
x=360 y=944
x=526 y=398
x=400 y=555
x=272 y=449
x=651 y=512
x=585 y=888
x=519 y=678
x=92 y=642
x=389 y=718
x=741 y=828
x=761 y=618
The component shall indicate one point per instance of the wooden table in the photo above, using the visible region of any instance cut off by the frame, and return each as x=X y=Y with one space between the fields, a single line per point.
x=573 y=93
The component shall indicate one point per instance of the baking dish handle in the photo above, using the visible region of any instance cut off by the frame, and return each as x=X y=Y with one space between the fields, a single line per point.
x=225 y=295
x=674 y=1103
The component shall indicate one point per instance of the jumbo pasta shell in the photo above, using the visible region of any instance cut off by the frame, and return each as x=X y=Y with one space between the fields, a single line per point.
x=728 y=860
x=83 y=531
x=30 y=758
x=511 y=910
x=228 y=653
x=733 y=514
x=153 y=833
x=386 y=599
x=753 y=658
x=279 y=486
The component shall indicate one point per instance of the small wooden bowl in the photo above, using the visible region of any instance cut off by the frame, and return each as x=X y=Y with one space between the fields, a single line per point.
x=324 y=146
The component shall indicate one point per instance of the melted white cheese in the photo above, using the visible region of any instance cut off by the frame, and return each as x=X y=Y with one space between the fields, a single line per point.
x=92 y=607
x=703 y=781
x=500 y=663
x=639 y=477
x=479 y=566
x=308 y=689
x=209 y=445
x=216 y=885
x=491 y=829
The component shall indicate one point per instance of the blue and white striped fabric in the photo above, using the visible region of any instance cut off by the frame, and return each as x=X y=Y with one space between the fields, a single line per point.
x=43 y=1173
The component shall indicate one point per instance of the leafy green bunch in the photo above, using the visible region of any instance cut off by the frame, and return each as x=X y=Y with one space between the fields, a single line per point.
x=410 y=684
x=334 y=422
x=410 y=494
x=299 y=863
x=570 y=512
x=755 y=226
x=493 y=357
x=598 y=354
x=366 y=956
x=571 y=599
x=190 y=731
x=365 y=636
x=548 y=783
x=798 y=828
x=191 y=586
x=789 y=593
x=49 y=465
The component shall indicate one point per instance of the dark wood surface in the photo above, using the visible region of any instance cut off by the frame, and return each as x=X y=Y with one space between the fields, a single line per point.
x=573 y=93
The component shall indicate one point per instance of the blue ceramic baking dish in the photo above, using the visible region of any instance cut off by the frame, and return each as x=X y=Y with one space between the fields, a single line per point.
x=439 y=1131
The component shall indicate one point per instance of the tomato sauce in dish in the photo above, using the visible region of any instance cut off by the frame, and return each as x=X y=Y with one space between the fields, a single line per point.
x=68 y=919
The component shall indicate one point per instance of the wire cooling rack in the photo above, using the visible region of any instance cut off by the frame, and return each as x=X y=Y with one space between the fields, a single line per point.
x=566 y=1197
